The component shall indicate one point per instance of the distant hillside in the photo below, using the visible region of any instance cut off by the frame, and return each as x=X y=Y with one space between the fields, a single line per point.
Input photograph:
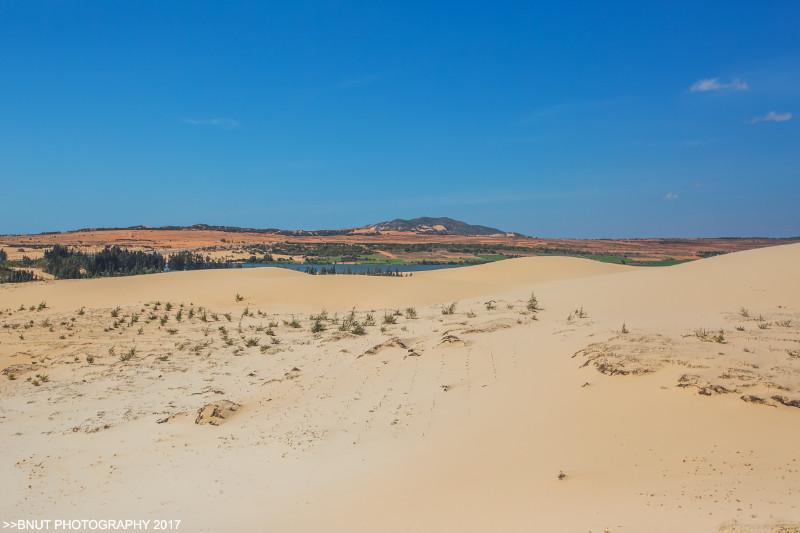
x=434 y=225
x=421 y=225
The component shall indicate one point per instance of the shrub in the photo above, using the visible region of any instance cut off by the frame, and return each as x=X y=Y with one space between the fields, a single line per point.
x=127 y=356
x=323 y=315
x=449 y=309
x=533 y=304
x=348 y=321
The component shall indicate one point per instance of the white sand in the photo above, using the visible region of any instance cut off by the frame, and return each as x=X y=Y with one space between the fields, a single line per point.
x=421 y=434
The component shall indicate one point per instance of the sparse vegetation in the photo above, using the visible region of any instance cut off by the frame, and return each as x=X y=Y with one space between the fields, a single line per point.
x=707 y=336
x=348 y=321
x=128 y=355
x=577 y=314
x=449 y=309
x=533 y=304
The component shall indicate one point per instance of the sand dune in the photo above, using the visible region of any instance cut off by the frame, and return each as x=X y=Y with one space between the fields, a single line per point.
x=684 y=419
x=287 y=289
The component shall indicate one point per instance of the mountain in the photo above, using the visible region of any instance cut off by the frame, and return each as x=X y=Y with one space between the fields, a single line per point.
x=433 y=225
x=421 y=225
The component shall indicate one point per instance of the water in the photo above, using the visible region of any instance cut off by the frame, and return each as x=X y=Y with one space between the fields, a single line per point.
x=358 y=269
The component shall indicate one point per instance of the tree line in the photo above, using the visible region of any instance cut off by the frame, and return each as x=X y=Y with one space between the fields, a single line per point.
x=13 y=275
x=332 y=270
x=67 y=263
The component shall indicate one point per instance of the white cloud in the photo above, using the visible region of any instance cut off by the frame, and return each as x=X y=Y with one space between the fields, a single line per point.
x=772 y=116
x=226 y=123
x=670 y=196
x=713 y=84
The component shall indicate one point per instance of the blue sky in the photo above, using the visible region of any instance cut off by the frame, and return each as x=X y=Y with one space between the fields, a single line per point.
x=593 y=119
